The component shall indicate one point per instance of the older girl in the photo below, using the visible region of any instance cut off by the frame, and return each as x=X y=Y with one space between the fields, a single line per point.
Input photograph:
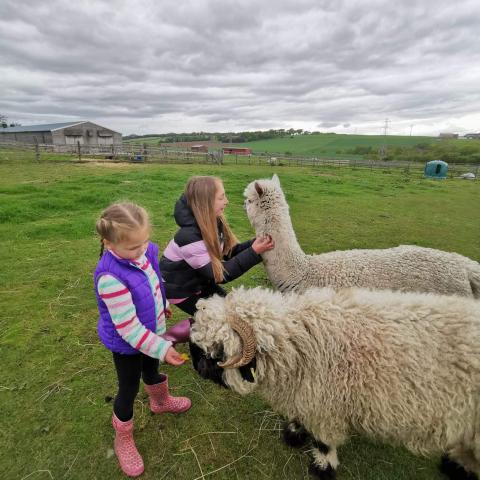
x=205 y=252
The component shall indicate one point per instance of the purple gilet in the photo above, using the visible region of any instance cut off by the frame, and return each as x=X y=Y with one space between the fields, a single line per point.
x=137 y=283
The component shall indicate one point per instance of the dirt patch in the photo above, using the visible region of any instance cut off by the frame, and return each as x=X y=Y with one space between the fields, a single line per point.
x=96 y=163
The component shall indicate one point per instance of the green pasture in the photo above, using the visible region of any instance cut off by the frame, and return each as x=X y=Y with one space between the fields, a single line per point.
x=401 y=148
x=154 y=141
x=57 y=381
x=330 y=144
x=319 y=144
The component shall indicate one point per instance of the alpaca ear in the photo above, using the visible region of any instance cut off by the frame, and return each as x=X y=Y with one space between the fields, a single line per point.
x=276 y=180
x=259 y=189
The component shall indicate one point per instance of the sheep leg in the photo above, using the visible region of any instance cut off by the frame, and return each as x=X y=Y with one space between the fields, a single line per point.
x=324 y=461
x=294 y=434
x=459 y=464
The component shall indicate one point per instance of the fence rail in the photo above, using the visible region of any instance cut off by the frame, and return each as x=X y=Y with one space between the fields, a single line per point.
x=153 y=154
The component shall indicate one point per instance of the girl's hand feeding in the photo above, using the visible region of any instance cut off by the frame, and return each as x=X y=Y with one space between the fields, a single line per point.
x=173 y=357
x=263 y=244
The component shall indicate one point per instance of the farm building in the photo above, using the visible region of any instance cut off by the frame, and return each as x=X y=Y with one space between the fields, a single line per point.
x=448 y=135
x=199 y=148
x=237 y=151
x=61 y=134
x=473 y=135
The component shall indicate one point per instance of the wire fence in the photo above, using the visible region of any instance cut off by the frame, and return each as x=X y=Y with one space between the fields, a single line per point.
x=143 y=153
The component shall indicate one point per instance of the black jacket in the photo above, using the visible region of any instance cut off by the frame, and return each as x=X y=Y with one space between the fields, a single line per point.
x=183 y=280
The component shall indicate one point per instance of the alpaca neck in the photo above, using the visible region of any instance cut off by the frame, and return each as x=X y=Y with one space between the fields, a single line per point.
x=287 y=261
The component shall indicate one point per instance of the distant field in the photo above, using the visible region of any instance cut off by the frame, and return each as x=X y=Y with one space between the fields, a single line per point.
x=402 y=148
x=147 y=140
x=58 y=381
x=321 y=145
x=332 y=144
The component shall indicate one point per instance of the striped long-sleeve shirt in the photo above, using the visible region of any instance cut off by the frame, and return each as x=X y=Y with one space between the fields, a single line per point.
x=121 y=308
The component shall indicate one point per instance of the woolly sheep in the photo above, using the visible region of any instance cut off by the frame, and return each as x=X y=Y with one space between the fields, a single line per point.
x=401 y=367
x=406 y=268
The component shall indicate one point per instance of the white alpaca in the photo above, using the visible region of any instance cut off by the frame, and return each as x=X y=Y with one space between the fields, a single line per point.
x=407 y=267
x=401 y=367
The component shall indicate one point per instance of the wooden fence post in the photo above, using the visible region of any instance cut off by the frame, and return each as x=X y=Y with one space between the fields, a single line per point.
x=37 y=150
x=79 y=149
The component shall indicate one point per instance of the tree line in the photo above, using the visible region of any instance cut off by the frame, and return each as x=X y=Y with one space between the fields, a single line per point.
x=232 y=137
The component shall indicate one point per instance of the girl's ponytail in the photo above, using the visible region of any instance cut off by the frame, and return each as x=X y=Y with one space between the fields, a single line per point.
x=102 y=248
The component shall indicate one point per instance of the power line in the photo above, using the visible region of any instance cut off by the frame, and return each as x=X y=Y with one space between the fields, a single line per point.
x=385 y=127
x=383 y=149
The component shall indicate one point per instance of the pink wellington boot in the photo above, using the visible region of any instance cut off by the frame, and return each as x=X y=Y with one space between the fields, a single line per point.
x=162 y=402
x=130 y=460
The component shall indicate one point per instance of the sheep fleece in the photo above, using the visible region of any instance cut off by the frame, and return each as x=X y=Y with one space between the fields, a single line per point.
x=403 y=367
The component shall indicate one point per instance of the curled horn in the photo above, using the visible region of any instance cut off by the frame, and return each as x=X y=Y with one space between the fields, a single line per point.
x=249 y=344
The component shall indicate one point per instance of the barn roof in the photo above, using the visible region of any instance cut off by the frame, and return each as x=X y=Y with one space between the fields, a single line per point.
x=48 y=127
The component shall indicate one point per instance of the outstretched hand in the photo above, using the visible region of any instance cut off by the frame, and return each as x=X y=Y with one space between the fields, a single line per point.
x=262 y=244
x=173 y=357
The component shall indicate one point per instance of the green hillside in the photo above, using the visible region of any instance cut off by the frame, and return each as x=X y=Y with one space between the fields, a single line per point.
x=146 y=140
x=331 y=144
x=314 y=144
x=374 y=147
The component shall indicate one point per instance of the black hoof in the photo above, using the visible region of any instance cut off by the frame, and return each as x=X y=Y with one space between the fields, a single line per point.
x=321 y=474
x=454 y=471
x=294 y=435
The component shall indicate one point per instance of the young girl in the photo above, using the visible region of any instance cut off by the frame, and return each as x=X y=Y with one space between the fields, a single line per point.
x=205 y=252
x=132 y=305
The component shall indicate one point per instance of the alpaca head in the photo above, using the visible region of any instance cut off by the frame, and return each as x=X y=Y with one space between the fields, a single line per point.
x=265 y=203
x=225 y=332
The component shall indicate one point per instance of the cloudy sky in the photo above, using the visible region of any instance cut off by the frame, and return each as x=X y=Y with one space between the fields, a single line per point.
x=156 y=66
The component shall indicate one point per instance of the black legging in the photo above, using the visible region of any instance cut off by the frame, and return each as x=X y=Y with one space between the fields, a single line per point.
x=130 y=368
x=188 y=305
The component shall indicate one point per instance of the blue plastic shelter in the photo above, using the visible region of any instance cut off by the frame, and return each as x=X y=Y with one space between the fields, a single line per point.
x=436 y=169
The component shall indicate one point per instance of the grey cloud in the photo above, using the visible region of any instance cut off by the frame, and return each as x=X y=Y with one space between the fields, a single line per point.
x=223 y=64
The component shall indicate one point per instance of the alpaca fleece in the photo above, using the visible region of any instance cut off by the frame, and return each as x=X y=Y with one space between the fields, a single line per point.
x=406 y=268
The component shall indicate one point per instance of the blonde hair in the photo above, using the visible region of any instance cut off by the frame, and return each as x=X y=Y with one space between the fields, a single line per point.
x=118 y=220
x=200 y=194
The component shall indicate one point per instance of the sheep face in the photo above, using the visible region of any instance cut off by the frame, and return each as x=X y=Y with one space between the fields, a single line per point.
x=264 y=200
x=212 y=341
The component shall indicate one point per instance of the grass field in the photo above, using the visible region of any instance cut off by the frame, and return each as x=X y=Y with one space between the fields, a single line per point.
x=322 y=145
x=327 y=144
x=57 y=381
x=332 y=144
x=405 y=148
x=147 y=140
